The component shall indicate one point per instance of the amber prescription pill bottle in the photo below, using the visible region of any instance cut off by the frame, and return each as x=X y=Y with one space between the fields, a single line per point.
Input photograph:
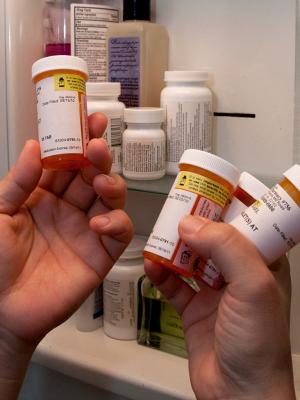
x=61 y=109
x=249 y=190
x=204 y=186
x=272 y=223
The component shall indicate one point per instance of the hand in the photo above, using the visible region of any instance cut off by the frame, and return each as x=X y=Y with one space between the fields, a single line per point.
x=58 y=241
x=238 y=337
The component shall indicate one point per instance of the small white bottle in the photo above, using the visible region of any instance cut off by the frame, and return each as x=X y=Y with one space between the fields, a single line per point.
x=144 y=144
x=103 y=97
x=188 y=106
x=89 y=316
x=120 y=292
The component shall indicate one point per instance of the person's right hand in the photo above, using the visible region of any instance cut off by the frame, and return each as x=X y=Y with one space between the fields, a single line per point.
x=238 y=337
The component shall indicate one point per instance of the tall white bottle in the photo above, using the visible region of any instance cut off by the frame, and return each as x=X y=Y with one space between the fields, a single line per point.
x=188 y=108
x=120 y=292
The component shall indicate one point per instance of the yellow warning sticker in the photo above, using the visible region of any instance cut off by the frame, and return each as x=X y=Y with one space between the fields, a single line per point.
x=203 y=186
x=72 y=82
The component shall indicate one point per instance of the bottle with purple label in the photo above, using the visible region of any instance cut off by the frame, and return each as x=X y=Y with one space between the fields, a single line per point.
x=137 y=55
x=56 y=23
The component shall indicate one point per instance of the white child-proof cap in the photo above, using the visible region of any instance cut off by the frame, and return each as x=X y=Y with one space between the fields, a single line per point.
x=144 y=115
x=100 y=89
x=135 y=248
x=252 y=186
x=59 y=62
x=293 y=175
x=211 y=163
x=186 y=76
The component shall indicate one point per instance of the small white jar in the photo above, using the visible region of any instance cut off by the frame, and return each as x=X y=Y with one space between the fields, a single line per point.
x=188 y=106
x=144 y=144
x=89 y=316
x=103 y=97
x=120 y=292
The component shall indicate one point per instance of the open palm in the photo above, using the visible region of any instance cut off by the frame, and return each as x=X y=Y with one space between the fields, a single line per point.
x=59 y=238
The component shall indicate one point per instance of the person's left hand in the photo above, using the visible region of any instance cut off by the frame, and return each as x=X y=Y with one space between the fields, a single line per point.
x=61 y=232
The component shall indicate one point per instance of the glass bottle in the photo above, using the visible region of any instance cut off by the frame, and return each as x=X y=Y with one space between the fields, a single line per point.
x=56 y=22
x=159 y=325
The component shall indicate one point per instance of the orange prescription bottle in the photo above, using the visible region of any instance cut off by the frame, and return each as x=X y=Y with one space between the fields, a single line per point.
x=272 y=223
x=61 y=110
x=249 y=190
x=204 y=186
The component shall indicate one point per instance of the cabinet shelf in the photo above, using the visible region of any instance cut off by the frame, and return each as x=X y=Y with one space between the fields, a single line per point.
x=159 y=186
x=162 y=186
x=122 y=367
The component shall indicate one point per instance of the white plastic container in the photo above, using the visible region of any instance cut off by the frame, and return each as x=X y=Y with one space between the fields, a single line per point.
x=188 y=106
x=272 y=223
x=103 y=97
x=89 y=316
x=249 y=190
x=144 y=144
x=120 y=292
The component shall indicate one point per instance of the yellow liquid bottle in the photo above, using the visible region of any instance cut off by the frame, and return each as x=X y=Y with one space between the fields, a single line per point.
x=137 y=52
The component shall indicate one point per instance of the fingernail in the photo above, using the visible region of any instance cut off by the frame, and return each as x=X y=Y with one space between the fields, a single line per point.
x=110 y=179
x=191 y=224
x=102 y=221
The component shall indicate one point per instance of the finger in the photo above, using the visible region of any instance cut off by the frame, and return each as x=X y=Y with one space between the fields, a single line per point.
x=97 y=125
x=192 y=306
x=57 y=181
x=235 y=256
x=115 y=230
x=112 y=189
x=22 y=179
x=80 y=192
x=177 y=292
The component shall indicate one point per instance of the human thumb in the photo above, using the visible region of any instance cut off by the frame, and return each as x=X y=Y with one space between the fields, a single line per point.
x=232 y=254
x=21 y=180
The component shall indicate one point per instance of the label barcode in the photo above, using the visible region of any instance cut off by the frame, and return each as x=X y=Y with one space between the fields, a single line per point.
x=116 y=132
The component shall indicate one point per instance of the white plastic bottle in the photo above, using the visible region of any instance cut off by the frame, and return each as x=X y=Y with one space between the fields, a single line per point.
x=144 y=144
x=89 y=316
x=248 y=191
x=120 y=292
x=103 y=97
x=188 y=106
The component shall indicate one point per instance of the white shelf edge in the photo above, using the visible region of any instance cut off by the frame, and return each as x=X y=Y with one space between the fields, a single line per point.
x=121 y=367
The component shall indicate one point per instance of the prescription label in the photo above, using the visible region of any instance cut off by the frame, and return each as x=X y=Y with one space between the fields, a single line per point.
x=235 y=208
x=188 y=126
x=271 y=223
x=70 y=82
x=203 y=186
x=89 y=23
x=191 y=194
x=61 y=113
x=143 y=157
x=119 y=303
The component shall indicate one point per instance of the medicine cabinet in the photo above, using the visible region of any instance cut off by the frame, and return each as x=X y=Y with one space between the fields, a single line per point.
x=158 y=186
